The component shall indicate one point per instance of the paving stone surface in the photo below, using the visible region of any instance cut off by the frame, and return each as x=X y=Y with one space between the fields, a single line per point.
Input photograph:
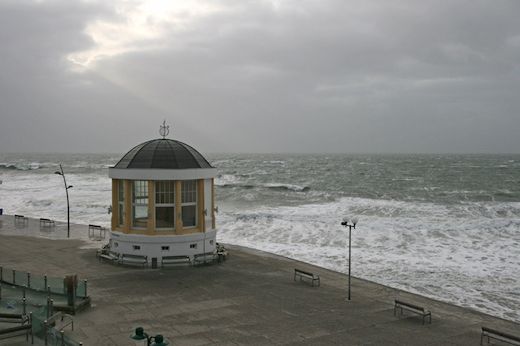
x=250 y=299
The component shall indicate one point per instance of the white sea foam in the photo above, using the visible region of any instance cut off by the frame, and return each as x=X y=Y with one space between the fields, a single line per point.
x=448 y=253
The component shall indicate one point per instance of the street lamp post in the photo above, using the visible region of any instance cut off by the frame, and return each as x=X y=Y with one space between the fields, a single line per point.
x=140 y=334
x=350 y=223
x=67 y=187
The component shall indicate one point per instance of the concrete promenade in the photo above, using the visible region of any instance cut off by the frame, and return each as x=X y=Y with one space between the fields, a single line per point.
x=250 y=299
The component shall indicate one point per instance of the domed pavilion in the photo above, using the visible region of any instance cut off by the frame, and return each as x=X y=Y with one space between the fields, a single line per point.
x=163 y=203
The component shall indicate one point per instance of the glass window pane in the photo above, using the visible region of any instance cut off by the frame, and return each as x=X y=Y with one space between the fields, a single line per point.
x=140 y=216
x=121 y=213
x=189 y=191
x=165 y=192
x=121 y=190
x=164 y=217
x=189 y=215
x=140 y=203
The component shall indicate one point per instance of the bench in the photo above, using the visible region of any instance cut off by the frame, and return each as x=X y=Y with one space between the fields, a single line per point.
x=25 y=326
x=134 y=259
x=51 y=324
x=16 y=331
x=20 y=219
x=174 y=260
x=306 y=275
x=109 y=256
x=202 y=258
x=46 y=222
x=63 y=319
x=399 y=304
x=498 y=335
x=13 y=318
x=92 y=229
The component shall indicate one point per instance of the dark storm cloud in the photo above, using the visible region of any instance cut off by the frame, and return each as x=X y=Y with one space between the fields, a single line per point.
x=340 y=76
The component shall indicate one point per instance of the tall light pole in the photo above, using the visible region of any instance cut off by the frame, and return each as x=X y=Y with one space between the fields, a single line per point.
x=350 y=223
x=67 y=187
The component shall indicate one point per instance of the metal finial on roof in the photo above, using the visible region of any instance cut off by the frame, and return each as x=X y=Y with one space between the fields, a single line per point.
x=164 y=129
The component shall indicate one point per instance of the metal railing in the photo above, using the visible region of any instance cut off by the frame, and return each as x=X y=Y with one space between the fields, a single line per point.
x=41 y=283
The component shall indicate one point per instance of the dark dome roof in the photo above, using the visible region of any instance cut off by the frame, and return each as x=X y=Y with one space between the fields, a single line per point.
x=163 y=153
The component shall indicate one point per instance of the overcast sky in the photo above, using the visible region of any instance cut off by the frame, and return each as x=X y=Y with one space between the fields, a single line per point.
x=261 y=75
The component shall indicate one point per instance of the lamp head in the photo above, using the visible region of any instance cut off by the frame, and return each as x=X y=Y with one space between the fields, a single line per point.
x=139 y=334
x=158 y=340
x=355 y=221
x=69 y=187
x=59 y=173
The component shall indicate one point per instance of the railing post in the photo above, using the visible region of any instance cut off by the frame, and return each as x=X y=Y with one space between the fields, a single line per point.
x=85 y=283
x=0 y=291
x=29 y=280
x=44 y=282
x=64 y=286
x=1 y=274
x=23 y=292
x=49 y=307
x=62 y=332
x=23 y=305
x=45 y=330
x=31 y=324
x=14 y=277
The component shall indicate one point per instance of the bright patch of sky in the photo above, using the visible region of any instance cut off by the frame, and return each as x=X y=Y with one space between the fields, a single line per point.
x=139 y=25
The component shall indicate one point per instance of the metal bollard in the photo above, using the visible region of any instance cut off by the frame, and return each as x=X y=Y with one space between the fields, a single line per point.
x=85 y=283
x=29 y=280
x=23 y=292
x=1 y=274
x=62 y=332
x=14 y=277
x=23 y=305
x=44 y=282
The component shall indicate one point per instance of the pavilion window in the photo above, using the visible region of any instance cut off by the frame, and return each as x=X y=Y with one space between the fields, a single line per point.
x=165 y=205
x=140 y=203
x=121 y=202
x=189 y=203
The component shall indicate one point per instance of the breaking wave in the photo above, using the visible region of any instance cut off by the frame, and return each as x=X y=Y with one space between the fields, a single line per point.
x=21 y=166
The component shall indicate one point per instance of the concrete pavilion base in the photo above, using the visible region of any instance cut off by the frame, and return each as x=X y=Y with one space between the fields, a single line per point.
x=159 y=247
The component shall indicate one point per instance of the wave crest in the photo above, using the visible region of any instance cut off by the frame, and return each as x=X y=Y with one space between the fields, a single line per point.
x=20 y=166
